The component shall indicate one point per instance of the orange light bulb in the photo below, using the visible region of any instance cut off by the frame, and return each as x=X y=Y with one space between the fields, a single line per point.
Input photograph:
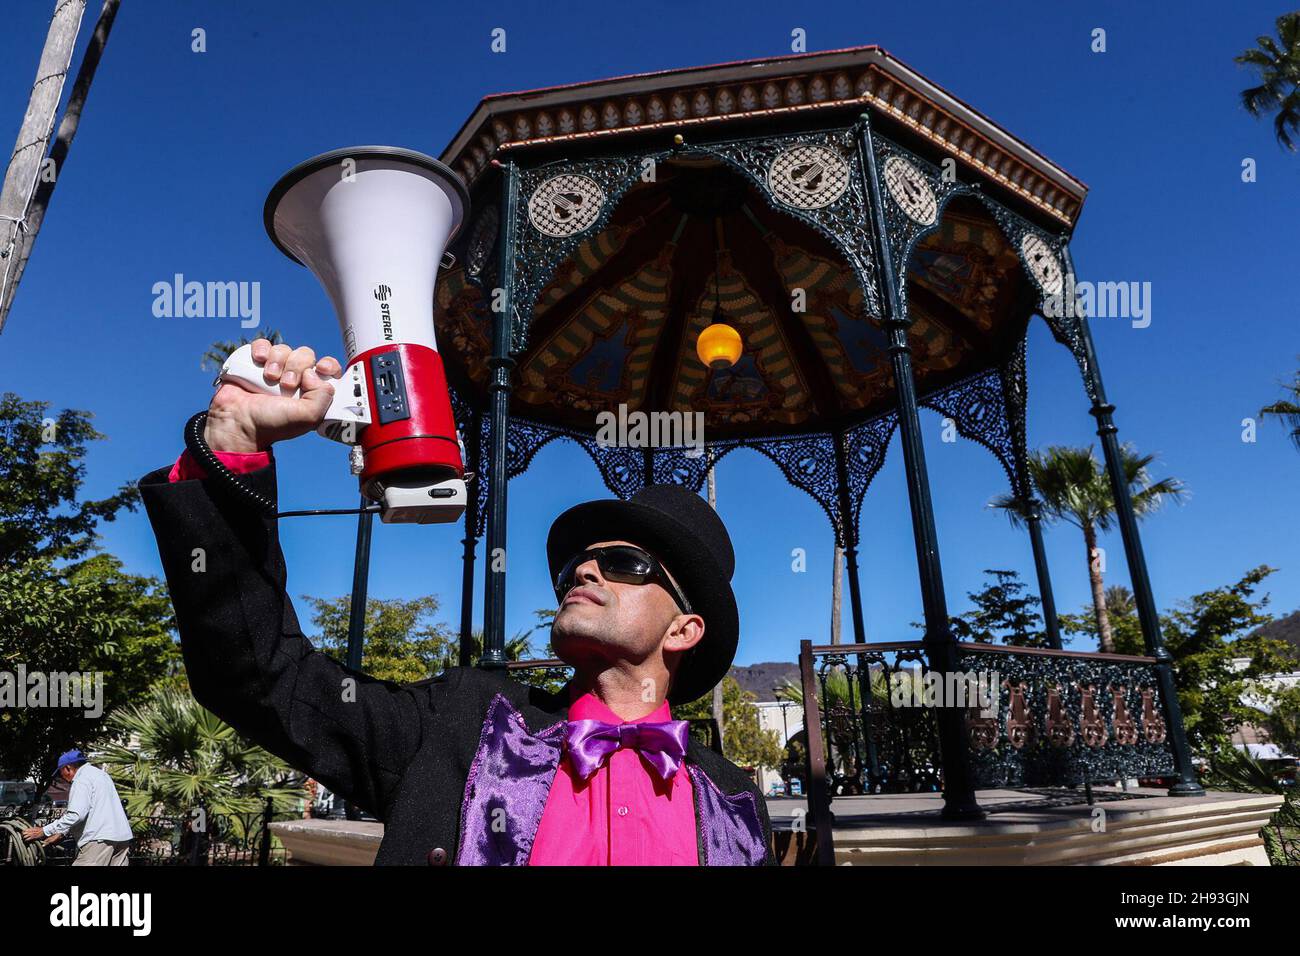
x=719 y=346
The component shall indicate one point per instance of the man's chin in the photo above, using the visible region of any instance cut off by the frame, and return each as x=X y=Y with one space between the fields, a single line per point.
x=573 y=643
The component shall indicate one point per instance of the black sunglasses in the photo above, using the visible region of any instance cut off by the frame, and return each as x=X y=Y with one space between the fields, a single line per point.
x=623 y=564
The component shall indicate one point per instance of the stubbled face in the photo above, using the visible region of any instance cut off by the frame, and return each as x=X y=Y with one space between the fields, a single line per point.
x=603 y=622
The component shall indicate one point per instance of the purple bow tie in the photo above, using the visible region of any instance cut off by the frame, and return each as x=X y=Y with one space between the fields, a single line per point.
x=590 y=742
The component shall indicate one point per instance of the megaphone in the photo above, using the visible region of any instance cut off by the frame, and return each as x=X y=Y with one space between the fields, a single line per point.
x=372 y=224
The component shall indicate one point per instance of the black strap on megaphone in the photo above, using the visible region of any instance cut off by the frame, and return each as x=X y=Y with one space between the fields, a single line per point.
x=227 y=479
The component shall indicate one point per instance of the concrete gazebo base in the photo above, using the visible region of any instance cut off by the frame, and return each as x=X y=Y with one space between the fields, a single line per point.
x=330 y=842
x=1142 y=827
x=1137 y=827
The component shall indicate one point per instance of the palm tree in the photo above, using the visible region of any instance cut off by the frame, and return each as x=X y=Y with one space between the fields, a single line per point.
x=517 y=648
x=218 y=352
x=1278 y=65
x=169 y=755
x=1287 y=409
x=1075 y=488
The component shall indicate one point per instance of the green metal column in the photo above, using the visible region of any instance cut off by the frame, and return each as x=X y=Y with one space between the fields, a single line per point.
x=940 y=644
x=1102 y=410
x=500 y=368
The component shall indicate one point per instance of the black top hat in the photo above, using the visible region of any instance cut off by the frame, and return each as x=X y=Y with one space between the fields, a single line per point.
x=680 y=529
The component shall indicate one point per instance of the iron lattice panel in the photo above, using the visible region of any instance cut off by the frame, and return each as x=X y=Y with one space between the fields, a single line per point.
x=903 y=229
x=1066 y=328
x=873 y=746
x=1058 y=721
x=845 y=222
x=980 y=412
x=537 y=255
x=978 y=407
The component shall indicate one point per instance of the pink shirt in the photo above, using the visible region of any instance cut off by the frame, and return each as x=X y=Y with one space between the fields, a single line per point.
x=623 y=815
x=186 y=468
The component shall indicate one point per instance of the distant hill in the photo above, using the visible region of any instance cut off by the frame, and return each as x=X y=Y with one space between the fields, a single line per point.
x=1284 y=629
x=762 y=680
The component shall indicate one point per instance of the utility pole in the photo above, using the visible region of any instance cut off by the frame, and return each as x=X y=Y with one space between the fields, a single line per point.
x=30 y=178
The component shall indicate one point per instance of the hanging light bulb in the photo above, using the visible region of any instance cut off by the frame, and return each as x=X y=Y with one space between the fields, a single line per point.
x=719 y=345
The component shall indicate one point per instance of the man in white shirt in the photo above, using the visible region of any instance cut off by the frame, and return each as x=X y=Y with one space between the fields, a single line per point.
x=93 y=804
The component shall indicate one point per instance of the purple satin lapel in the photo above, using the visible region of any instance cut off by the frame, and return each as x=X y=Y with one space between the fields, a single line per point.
x=507 y=786
x=730 y=825
x=510 y=779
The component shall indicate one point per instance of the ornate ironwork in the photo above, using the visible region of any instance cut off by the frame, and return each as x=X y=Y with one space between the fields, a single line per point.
x=538 y=254
x=808 y=177
x=865 y=446
x=844 y=221
x=1067 y=720
x=979 y=409
x=977 y=405
x=1043 y=256
x=875 y=742
x=914 y=194
x=1015 y=401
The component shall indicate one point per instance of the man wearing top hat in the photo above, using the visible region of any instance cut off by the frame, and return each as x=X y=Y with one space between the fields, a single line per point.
x=471 y=768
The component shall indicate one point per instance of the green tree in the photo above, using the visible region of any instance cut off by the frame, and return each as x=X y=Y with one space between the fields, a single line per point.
x=1237 y=771
x=1282 y=721
x=64 y=608
x=744 y=742
x=1121 y=612
x=402 y=642
x=1287 y=410
x=169 y=756
x=521 y=648
x=42 y=468
x=1208 y=635
x=1075 y=488
x=1277 y=62
x=1003 y=612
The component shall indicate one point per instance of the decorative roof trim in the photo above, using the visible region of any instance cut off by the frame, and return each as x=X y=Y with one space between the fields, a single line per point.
x=701 y=96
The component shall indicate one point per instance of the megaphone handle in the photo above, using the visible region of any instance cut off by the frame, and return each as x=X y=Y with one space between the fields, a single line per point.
x=349 y=405
x=239 y=364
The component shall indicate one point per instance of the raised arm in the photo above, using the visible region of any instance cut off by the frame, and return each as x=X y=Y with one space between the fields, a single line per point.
x=246 y=656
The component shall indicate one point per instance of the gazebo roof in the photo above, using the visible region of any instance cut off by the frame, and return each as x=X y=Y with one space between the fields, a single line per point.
x=769 y=90
x=622 y=272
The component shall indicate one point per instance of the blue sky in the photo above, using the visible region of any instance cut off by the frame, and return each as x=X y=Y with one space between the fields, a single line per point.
x=177 y=150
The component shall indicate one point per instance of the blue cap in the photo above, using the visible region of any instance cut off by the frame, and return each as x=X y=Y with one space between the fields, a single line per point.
x=72 y=756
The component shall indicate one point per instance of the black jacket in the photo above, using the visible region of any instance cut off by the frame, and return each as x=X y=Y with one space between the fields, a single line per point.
x=403 y=753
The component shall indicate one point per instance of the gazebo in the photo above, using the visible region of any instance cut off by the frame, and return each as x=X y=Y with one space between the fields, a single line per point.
x=878 y=245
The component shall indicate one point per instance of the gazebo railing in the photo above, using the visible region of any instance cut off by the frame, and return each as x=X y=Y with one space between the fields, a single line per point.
x=1066 y=718
x=1058 y=718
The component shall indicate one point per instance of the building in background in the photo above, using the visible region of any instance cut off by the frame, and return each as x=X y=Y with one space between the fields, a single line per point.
x=785 y=717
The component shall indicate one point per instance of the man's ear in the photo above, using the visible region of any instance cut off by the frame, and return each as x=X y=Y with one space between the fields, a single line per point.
x=684 y=632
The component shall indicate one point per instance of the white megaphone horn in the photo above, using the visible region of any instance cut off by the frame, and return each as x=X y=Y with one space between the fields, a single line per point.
x=372 y=223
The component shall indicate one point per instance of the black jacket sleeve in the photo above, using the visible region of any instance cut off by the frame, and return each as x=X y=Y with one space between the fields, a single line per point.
x=247 y=659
